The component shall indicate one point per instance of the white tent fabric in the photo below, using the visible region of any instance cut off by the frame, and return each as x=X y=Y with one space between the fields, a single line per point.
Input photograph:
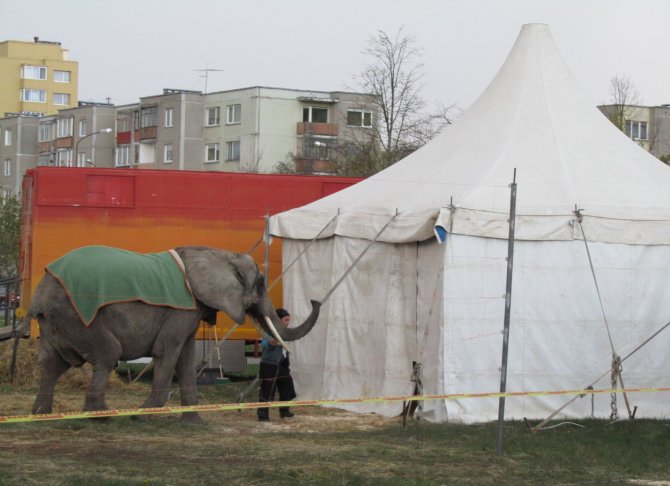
x=534 y=118
x=413 y=299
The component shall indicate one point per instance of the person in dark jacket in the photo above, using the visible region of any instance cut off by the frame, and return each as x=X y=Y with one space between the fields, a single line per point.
x=275 y=374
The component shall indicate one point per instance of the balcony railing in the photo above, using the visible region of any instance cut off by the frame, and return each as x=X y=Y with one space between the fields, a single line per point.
x=313 y=166
x=305 y=128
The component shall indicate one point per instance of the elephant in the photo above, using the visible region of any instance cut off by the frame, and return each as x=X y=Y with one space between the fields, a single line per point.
x=219 y=280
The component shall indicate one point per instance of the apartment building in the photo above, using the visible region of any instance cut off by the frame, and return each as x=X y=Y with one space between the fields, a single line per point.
x=253 y=129
x=649 y=126
x=18 y=150
x=244 y=130
x=36 y=77
x=161 y=132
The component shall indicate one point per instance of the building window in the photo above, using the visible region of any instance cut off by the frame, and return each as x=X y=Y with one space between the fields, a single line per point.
x=64 y=158
x=212 y=152
x=8 y=137
x=359 y=118
x=64 y=127
x=33 y=72
x=169 y=115
x=234 y=114
x=61 y=99
x=636 y=130
x=312 y=114
x=233 y=150
x=123 y=155
x=34 y=95
x=168 y=153
x=61 y=76
x=82 y=127
x=125 y=121
x=8 y=167
x=81 y=159
x=213 y=116
x=149 y=116
x=45 y=133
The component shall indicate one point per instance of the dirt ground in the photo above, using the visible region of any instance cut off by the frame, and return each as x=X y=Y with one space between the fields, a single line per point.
x=17 y=397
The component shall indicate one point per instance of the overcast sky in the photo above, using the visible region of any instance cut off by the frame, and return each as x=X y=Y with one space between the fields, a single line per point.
x=129 y=49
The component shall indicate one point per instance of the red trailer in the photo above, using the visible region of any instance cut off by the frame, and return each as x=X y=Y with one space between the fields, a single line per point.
x=154 y=210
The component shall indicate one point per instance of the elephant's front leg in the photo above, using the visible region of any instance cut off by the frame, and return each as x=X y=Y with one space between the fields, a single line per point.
x=187 y=380
x=95 y=395
x=165 y=359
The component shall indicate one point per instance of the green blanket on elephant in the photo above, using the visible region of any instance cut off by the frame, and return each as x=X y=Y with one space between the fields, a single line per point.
x=94 y=276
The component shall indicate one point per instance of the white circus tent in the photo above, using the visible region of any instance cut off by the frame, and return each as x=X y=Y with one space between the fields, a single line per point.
x=431 y=287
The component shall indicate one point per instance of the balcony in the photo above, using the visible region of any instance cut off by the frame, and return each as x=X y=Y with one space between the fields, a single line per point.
x=305 y=128
x=148 y=133
x=124 y=138
x=314 y=166
x=64 y=142
x=44 y=147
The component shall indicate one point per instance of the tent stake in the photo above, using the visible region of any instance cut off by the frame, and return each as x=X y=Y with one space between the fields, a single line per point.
x=508 y=307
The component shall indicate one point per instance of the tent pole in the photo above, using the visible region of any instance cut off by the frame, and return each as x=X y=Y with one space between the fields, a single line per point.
x=508 y=307
x=267 y=247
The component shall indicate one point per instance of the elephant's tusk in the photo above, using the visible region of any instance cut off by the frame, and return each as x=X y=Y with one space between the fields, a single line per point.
x=275 y=333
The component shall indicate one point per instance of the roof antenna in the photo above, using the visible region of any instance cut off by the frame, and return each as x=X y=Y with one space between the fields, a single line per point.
x=207 y=70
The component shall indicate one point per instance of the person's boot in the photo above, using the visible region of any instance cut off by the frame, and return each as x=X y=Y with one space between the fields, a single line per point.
x=263 y=415
x=285 y=413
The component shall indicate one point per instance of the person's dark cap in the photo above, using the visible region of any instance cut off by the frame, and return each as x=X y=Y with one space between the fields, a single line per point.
x=282 y=313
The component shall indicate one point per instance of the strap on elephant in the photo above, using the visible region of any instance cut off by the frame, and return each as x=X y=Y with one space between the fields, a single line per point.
x=414 y=407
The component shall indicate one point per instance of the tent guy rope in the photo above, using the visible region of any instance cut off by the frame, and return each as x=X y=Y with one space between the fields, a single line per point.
x=616 y=368
x=590 y=388
x=351 y=267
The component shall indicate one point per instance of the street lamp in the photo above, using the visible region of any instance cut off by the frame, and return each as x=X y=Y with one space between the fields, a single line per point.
x=76 y=147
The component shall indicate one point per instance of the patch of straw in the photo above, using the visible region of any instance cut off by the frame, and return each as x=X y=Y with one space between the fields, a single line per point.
x=27 y=369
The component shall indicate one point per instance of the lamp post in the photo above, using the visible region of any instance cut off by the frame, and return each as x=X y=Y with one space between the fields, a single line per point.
x=76 y=147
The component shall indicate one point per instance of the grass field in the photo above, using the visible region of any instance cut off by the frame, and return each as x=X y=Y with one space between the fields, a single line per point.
x=319 y=446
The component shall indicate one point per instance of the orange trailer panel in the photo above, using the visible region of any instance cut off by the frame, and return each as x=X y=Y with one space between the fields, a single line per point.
x=152 y=211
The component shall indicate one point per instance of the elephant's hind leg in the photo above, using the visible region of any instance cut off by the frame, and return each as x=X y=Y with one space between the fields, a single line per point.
x=52 y=366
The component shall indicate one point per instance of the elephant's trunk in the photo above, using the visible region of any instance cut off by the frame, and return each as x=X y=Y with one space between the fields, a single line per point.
x=291 y=333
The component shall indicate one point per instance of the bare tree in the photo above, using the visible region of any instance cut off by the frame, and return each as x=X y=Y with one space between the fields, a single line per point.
x=392 y=80
x=623 y=98
x=392 y=83
x=428 y=126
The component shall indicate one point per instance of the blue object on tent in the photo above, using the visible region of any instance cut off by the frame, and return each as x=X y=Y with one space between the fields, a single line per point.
x=440 y=234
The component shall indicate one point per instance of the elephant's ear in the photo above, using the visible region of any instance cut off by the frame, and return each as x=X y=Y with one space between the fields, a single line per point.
x=219 y=279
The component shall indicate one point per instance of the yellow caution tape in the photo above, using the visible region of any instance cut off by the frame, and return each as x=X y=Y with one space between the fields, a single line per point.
x=305 y=403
